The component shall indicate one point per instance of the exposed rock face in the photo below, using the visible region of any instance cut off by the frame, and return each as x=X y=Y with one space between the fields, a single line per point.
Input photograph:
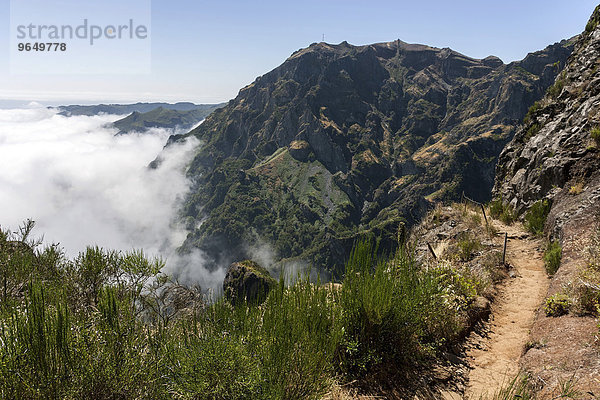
x=554 y=144
x=247 y=281
x=300 y=150
x=341 y=141
x=554 y=155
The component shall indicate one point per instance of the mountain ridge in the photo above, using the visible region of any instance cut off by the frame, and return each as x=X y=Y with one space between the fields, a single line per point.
x=161 y=117
x=343 y=140
x=120 y=109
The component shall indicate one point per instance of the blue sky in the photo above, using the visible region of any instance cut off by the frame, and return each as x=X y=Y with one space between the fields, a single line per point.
x=205 y=51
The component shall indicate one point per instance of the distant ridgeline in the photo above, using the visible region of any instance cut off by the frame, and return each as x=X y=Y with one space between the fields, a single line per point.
x=121 y=109
x=143 y=116
x=341 y=141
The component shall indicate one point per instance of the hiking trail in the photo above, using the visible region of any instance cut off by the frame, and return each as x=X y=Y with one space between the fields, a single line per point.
x=495 y=360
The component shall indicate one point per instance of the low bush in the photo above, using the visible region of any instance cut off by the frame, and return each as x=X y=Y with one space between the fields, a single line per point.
x=467 y=244
x=395 y=313
x=588 y=292
x=555 y=90
x=595 y=135
x=517 y=388
x=576 y=189
x=535 y=217
x=533 y=130
x=503 y=212
x=532 y=110
x=552 y=257
x=587 y=289
x=110 y=325
x=557 y=305
x=592 y=22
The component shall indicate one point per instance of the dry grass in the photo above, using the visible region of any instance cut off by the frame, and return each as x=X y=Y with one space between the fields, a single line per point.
x=576 y=189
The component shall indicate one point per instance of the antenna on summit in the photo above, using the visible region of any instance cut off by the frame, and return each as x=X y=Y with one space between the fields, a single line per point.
x=323 y=40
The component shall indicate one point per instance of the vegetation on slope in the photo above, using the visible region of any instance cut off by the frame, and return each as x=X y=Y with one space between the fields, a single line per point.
x=161 y=117
x=375 y=133
x=110 y=325
x=549 y=175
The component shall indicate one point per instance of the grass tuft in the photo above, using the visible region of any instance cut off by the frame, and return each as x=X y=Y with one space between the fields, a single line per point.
x=503 y=212
x=552 y=257
x=557 y=305
x=595 y=134
x=535 y=217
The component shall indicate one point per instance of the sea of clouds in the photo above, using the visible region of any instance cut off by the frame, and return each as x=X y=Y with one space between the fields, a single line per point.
x=83 y=186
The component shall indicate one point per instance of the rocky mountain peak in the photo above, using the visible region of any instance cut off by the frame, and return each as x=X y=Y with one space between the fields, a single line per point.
x=342 y=140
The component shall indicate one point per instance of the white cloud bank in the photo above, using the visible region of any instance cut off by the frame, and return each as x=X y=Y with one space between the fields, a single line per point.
x=84 y=186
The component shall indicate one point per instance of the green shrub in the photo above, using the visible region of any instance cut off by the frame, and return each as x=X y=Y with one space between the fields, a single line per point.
x=109 y=325
x=595 y=134
x=552 y=257
x=302 y=327
x=503 y=212
x=394 y=312
x=557 y=305
x=593 y=21
x=475 y=220
x=532 y=110
x=41 y=339
x=555 y=90
x=533 y=130
x=467 y=245
x=587 y=291
x=535 y=218
x=520 y=387
x=517 y=388
x=587 y=288
x=588 y=299
x=496 y=208
x=206 y=363
x=283 y=349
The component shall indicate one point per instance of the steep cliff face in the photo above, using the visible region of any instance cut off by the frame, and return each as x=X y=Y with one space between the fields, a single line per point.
x=555 y=144
x=343 y=140
x=555 y=156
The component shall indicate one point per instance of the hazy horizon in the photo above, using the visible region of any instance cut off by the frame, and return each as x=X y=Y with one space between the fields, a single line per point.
x=213 y=49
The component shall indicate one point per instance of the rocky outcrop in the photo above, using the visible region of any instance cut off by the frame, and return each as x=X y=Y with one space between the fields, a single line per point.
x=555 y=144
x=300 y=150
x=555 y=156
x=246 y=281
x=341 y=141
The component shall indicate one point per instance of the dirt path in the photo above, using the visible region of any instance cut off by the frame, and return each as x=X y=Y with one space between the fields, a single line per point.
x=496 y=360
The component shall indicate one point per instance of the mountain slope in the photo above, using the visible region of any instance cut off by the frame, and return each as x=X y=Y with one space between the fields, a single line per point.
x=162 y=118
x=555 y=139
x=120 y=109
x=343 y=140
x=554 y=157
